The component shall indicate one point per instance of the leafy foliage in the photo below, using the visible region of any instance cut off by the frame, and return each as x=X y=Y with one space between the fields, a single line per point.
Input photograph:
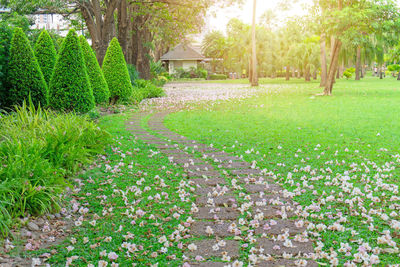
x=46 y=54
x=70 y=88
x=24 y=75
x=133 y=73
x=116 y=73
x=347 y=74
x=191 y=73
x=37 y=150
x=147 y=89
x=99 y=85
x=218 y=77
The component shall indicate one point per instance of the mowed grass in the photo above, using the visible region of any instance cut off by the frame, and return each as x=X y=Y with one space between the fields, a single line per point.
x=339 y=155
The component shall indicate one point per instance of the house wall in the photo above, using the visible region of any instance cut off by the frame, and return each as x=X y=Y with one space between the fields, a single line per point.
x=185 y=64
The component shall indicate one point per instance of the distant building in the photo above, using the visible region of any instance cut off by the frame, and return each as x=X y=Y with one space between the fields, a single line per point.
x=182 y=56
x=55 y=22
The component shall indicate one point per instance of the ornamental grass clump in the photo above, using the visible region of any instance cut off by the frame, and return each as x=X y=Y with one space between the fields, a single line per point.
x=38 y=149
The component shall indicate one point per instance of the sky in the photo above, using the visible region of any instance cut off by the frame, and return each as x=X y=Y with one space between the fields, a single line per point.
x=245 y=12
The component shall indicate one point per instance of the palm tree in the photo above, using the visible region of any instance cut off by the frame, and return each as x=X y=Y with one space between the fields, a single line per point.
x=254 y=76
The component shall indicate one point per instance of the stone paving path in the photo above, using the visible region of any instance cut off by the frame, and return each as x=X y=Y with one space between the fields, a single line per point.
x=228 y=192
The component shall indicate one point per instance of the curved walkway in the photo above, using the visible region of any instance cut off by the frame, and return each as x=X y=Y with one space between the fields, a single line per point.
x=240 y=216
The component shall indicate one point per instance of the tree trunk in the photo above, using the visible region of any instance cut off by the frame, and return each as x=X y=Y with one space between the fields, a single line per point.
x=332 y=67
x=358 y=63
x=314 y=75
x=254 y=80
x=124 y=27
x=398 y=76
x=362 y=70
x=287 y=73
x=323 y=60
x=307 y=73
x=380 y=72
x=101 y=27
x=338 y=73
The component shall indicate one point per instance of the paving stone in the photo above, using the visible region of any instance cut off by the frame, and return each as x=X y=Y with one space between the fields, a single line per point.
x=146 y=136
x=280 y=227
x=205 y=149
x=209 y=182
x=269 y=188
x=135 y=128
x=273 y=200
x=209 y=264
x=133 y=122
x=178 y=155
x=210 y=190
x=255 y=179
x=186 y=142
x=269 y=212
x=158 y=128
x=140 y=132
x=205 y=249
x=222 y=201
x=185 y=160
x=212 y=155
x=198 y=228
x=206 y=213
x=245 y=172
x=284 y=263
x=161 y=143
x=165 y=146
x=199 y=167
x=33 y=226
x=174 y=138
x=235 y=165
x=208 y=174
x=298 y=247
x=225 y=158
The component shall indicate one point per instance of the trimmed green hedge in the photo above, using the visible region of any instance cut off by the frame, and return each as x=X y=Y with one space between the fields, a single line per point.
x=70 y=88
x=116 y=73
x=218 y=77
x=46 y=55
x=99 y=85
x=5 y=39
x=24 y=75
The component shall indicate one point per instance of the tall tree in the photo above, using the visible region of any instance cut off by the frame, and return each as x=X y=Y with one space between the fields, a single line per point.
x=253 y=72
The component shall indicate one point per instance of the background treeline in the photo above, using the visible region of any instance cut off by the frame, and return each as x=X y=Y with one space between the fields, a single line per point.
x=145 y=29
x=335 y=36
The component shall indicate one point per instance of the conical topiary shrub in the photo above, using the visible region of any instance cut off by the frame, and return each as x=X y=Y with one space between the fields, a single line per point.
x=99 y=85
x=24 y=75
x=69 y=85
x=5 y=41
x=116 y=73
x=46 y=54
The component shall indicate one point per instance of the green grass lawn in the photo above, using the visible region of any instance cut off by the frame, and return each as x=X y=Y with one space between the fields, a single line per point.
x=338 y=154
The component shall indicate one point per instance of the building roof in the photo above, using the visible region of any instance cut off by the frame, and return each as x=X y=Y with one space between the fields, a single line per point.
x=183 y=52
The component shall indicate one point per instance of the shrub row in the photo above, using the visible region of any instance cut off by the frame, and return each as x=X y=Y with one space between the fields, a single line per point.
x=71 y=80
x=38 y=148
x=193 y=72
x=218 y=77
